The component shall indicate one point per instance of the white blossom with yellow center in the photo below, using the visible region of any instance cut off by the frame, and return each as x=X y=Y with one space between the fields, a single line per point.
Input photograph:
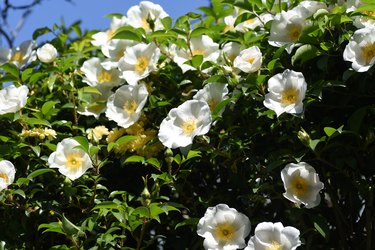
x=286 y=29
x=146 y=15
x=249 y=60
x=13 y=98
x=302 y=184
x=138 y=62
x=7 y=173
x=190 y=119
x=114 y=51
x=198 y=45
x=213 y=93
x=71 y=161
x=223 y=228
x=286 y=92
x=96 y=75
x=361 y=49
x=19 y=56
x=104 y=38
x=274 y=236
x=126 y=104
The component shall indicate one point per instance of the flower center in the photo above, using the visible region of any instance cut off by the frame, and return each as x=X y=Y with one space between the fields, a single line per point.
x=299 y=185
x=189 y=126
x=369 y=13
x=250 y=21
x=293 y=32
x=368 y=52
x=145 y=24
x=5 y=177
x=110 y=34
x=141 y=64
x=104 y=76
x=212 y=103
x=130 y=106
x=224 y=232
x=250 y=60
x=74 y=161
x=290 y=96
x=197 y=52
x=17 y=57
x=274 y=246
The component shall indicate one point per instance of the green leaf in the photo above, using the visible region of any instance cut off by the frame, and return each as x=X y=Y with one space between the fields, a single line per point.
x=90 y=90
x=47 y=106
x=36 y=121
x=11 y=69
x=329 y=131
x=321 y=226
x=106 y=205
x=154 y=162
x=134 y=158
x=125 y=138
x=304 y=53
x=200 y=31
x=54 y=227
x=41 y=31
x=69 y=228
x=39 y=172
x=84 y=143
x=26 y=74
x=128 y=35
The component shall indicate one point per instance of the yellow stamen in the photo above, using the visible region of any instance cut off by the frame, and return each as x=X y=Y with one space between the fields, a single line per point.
x=290 y=96
x=145 y=24
x=130 y=106
x=250 y=60
x=141 y=64
x=275 y=246
x=212 y=103
x=189 y=126
x=17 y=57
x=104 y=76
x=74 y=161
x=368 y=52
x=299 y=186
x=197 y=52
x=293 y=32
x=110 y=34
x=369 y=13
x=250 y=21
x=224 y=232
x=5 y=177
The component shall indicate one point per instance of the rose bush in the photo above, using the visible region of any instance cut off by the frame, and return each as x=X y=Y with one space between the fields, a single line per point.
x=180 y=134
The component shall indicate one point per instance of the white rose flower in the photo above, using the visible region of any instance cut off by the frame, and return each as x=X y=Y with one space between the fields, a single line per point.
x=47 y=53
x=308 y=8
x=190 y=119
x=138 y=62
x=13 y=99
x=230 y=51
x=286 y=29
x=96 y=75
x=274 y=236
x=199 y=45
x=114 y=51
x=223 y=228
x=71 y=161
x=361 y=49
x=302 y=184
x=286 y=92
x=102 y=38
x=126 y=104
x=7 y=173
x=146 y=15
x=255 y=22
x=213 y=93
x=19 y=56
x=249 y=60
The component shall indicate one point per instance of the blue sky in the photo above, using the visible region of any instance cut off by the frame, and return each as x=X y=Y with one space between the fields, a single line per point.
x=91 y=12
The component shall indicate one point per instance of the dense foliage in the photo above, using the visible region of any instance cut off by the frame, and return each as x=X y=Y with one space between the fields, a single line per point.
x=139 y=194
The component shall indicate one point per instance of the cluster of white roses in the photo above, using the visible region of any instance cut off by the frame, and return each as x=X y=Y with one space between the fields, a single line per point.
x=225 y=228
